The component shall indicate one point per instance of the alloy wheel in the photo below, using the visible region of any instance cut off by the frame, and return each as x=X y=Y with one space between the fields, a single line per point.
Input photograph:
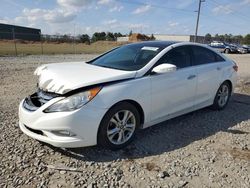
x=121 y=127
x=223 y=95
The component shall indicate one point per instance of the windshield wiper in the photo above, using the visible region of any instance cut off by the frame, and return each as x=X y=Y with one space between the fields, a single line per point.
x=105 y=66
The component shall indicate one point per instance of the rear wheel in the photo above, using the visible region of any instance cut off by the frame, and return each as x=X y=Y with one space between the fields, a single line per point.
x=222 y=96
x=227 y=51
x=118 y=126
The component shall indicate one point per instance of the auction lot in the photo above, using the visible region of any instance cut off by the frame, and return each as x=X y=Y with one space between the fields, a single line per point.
x=202 y=149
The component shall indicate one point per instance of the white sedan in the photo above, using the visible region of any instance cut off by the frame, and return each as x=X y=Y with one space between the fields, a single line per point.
x=104 y=101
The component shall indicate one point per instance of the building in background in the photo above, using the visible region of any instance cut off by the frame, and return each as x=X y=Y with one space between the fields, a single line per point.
x=122 y=39
x=172 y=37
x=184 y=38
x=10 y=32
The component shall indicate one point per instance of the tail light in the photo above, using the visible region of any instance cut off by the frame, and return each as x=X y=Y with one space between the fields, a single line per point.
x=235 y=67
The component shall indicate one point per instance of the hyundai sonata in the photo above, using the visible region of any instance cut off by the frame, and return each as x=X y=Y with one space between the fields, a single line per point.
x=106 y=100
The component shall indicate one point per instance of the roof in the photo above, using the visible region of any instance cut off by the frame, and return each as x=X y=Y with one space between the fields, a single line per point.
x=2 y=25
x=160 y=44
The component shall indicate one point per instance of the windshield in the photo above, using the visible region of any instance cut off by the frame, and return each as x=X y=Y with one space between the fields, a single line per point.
x=129 y=57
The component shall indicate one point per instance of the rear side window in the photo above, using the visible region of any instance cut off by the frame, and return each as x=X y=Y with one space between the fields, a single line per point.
x=179 y=56
x=219 y=58
x=204 y=56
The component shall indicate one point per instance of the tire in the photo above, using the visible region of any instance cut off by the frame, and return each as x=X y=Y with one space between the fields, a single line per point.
x=227 y=51
x=222 y=96
x=115 y=132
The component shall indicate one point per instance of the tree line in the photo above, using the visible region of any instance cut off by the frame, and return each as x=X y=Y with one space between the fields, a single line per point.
x=110 y=36
x=84 y=38
x=229 y=38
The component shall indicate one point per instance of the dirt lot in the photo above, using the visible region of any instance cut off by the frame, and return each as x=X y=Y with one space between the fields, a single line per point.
x=202 y=149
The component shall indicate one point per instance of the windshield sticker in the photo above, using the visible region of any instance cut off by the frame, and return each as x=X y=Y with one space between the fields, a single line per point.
x=149 y=48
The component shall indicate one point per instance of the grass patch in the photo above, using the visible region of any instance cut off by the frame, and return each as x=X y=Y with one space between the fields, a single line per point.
x=36 y=48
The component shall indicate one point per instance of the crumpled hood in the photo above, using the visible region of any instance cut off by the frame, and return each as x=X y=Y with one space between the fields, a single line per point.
x=64 y=77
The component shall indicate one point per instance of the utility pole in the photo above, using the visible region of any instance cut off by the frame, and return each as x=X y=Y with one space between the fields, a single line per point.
x=198 y=18
x=74 y=39
x=14 y=39
x=41 y=39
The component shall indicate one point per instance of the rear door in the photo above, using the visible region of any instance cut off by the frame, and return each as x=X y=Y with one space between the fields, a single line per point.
x=175 y=91
x=209 y=69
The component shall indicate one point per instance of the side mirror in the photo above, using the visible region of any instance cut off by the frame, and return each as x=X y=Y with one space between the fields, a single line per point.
x=164 y=68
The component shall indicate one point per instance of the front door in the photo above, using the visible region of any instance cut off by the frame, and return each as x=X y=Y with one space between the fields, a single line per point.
x=175 y=91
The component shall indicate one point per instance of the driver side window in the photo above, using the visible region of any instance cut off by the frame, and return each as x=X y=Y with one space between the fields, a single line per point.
x=179 y=56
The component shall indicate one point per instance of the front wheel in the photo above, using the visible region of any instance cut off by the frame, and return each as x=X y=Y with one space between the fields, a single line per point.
x=222 y=96
x=118 y=127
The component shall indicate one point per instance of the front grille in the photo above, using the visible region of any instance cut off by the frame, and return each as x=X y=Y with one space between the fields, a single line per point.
x=38 y=99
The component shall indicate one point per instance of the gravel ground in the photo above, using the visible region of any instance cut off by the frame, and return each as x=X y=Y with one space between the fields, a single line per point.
x=202 y=149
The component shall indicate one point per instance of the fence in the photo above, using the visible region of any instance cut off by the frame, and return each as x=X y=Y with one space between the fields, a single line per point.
x=208 y=40
x=17 y=44
x=12 y=43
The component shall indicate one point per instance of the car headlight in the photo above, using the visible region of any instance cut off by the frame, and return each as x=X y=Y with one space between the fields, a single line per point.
x=73 y=102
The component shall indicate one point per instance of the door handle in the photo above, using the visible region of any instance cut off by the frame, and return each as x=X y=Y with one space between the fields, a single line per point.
x=218 y=68
x=191 y=77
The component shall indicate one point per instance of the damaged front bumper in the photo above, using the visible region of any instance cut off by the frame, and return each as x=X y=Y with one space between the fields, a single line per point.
x=61 y=129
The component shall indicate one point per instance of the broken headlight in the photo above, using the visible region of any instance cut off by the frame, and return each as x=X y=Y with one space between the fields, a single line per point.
x=73 y=102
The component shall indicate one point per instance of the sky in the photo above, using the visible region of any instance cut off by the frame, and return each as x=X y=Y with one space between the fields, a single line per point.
x=146 y=16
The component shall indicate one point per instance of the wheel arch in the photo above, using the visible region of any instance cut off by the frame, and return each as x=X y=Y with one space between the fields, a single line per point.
x=131 y=102
x=230 y=84
x=136 y=105
x=139 y=108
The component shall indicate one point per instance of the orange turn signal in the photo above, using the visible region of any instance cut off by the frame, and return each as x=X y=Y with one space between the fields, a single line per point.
x=93 y=92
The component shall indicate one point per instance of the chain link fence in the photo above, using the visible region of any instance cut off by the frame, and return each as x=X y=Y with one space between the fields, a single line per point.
x=13 y=43
x=16 y=43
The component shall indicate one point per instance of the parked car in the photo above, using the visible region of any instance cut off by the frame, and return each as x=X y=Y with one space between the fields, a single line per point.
x=246 y=47
x=223 y=47
x=104 y=101
x=240 y=49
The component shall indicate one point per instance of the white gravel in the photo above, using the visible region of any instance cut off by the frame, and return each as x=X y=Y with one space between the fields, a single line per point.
x=202 y=149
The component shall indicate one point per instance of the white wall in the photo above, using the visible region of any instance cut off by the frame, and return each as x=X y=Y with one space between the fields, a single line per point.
x=122 y=39
x=185 y=38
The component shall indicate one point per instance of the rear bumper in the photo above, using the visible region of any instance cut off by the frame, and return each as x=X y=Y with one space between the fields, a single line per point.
x=242 y=51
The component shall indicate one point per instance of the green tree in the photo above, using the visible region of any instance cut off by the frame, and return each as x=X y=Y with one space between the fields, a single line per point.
x=65 y=38
x=110 y=36
x=130 y=33
x=85 y=39
x=247 y=39
x=117 y=35
x=152 y=37
x=221 y=38
x=238 y=39
x=98 y=36
x=216 y=36
x=208 y=37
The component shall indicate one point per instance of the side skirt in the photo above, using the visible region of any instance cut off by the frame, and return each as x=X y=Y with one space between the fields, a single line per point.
x=179 y=113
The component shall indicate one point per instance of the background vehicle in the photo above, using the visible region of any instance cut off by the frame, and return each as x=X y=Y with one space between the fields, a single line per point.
x=223 y=47
x=246 y=47
x=105 y=100
x=240 y=49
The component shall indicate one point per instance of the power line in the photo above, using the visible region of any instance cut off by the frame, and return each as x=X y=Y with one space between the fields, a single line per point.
x=232 y=11
x=219 y=20
x=156 y=6
x=183 y=10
